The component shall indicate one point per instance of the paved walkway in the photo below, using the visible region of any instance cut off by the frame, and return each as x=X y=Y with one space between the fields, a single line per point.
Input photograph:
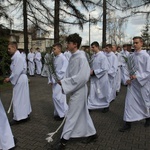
x=31 y=135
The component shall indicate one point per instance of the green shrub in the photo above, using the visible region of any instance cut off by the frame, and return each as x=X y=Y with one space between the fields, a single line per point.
x=43 y=55
x=4 y=57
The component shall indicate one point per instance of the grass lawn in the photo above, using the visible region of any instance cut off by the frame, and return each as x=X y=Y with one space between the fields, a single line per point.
x=4 y=86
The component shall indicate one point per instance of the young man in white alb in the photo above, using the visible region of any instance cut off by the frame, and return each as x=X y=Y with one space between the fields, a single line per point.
x=6 y=136
x=112 y=72
x=59 y=99
x=19 y=80
x=99 y=83
x=31 y=64
x=137 y=102
x=37 y=59
x=78 y=121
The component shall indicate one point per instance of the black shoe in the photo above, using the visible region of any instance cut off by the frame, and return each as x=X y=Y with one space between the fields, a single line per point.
x=90 y=139
x=126 y=127
x=57 y=118
x=117 y=93
x=25 y=120
x=13 y=122
x=15 y=140
x=12 y=148
x=90 y=110
x=60 y=146
x=105 y=110
x=147 y=122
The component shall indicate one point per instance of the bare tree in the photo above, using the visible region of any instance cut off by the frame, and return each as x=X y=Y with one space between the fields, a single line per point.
x=56 y=21
x=115 y=28
x=25 y=29
x=34 y=12
x=73 y=14
x=146 y=31
x=132 y=6
x=38 y=13
x=3 y=12
x=104 y=23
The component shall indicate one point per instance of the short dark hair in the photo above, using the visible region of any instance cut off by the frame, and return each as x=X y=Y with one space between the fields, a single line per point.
x=13 y=44
x=109 y=45
x=138 y=37
x=75 y=38
x=95 y=43
x=125 y=45
x=58 y=45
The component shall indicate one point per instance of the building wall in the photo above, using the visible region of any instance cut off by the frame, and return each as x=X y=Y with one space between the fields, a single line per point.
x=42 y=43
x=19 y=38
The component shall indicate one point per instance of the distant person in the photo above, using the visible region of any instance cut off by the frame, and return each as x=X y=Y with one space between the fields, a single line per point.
x=137 y=102
x=99 y=83
x=45 y=72
x=19 y=80
x=59 y=99
x=31 y=64
x=112 y=72
x=118 y=49
x=148 y=51
x=23 y=54
x=67 y=54
x=78 y=121
x=6 y=136
x=124 y=55
x=118 y=76
x=37 y=59
x=130 y=49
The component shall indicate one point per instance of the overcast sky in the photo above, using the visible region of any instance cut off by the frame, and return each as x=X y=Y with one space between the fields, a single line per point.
x=133 y=27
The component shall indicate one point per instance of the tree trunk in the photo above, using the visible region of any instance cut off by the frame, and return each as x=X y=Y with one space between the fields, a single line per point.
x=104 y=24
x=25 y=22
x=56 y=21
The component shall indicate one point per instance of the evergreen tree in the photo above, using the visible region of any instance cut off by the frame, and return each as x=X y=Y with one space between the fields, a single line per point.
x=146 y=32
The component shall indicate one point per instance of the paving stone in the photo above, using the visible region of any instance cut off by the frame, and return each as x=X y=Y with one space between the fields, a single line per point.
x=31 y=135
